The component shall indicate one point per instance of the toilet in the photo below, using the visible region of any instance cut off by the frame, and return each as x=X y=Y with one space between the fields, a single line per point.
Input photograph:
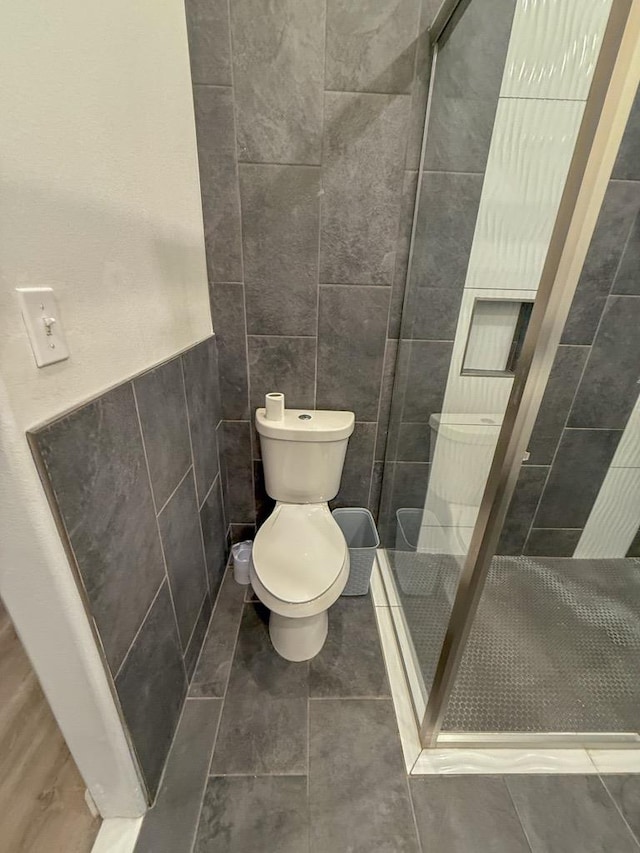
x=300 y=558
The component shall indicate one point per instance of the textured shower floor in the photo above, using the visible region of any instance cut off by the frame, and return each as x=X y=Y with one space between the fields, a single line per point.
x=555 y=646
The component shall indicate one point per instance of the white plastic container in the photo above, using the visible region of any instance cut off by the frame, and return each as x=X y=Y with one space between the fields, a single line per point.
x=241 y=553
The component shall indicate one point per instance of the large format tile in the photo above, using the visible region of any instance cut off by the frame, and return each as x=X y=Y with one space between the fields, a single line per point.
x=171 y=824
x=433 y=313
x=580 y=466
x=466 y=814
x=237 y=484
x=426 y=380
x=209 y=42
x=522 y=509
x=386 y=395
x=219 y=182
x=192 y=652
x=625 y=790
x=182 y=544
x=282 y=364
x=151 y=687
x=445 y=225
x=410 y=481
x=214 y=535
x=280 y=221
x=350 y=663
x=627 y=165
x=227 y=313
x=609 y=387
x=251 y=814
x=627 y=280
x=414 y=443
x=471 y=58
x=264 y=721
x=212 y=671
x=569 y=813
x=358 y=795
x=351 y=342
x=619 y=208
x=551 y=542
x=278 y=66
x=556 y=402
x=200 y=365
x=95 y=462
x=403 y=245
x=420 y=87
x=363 y=149
x=371 y=47
x=355 y=484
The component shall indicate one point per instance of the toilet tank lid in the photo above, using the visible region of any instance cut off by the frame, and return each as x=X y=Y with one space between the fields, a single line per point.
x=307 y=425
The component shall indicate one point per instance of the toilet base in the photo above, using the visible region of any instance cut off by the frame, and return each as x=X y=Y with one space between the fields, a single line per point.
x=298 y=639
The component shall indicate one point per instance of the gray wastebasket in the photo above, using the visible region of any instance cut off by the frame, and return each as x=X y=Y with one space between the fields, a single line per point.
x=359 y=530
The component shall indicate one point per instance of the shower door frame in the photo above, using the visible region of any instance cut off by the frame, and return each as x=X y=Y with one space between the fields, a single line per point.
x=615 y=81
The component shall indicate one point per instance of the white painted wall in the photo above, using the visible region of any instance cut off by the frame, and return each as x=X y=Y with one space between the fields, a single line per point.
x=99 y=198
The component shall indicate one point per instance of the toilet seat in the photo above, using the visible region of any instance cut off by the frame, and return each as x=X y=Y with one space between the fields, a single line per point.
x=300 y=559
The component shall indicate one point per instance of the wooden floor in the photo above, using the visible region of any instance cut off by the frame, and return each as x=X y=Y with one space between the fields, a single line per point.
x=42 y=806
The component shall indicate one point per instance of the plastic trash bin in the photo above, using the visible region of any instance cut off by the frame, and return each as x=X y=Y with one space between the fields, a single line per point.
x=359 y=530
x=241 y=553
x=408 y=528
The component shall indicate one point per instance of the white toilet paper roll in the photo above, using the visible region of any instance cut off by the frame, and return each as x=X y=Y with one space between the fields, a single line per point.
x=274 y=406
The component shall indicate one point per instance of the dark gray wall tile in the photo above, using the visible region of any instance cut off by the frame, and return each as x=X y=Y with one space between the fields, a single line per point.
x=200 y=365
x=237 y=486
x=375 y=492
x=414 y=443
x=163 y=417
x=433 y=314
x=371 y=47
x=245 y=814
x=403 y=244
x=228 y=315
x=182 y=544
x=214 y=535
x=278 y=66
x=634 y=548
x=358 y=795
x=615 y=220
x=240 y=532
x=282 y=364
x=410 y=481
x=609 y=387
x=351 y=341
x=554 y=409
x=209 y=43
x=151 y=686
x=212 y=672
x=198 y=634
x=426 y=380
x=579 y=468
x=522 y=509
x=264 y=722
x=264 y=503
x=171 y=824
x=569 y=813
x=349 y=664
x=356 y=474
x=547 y=542
x=627 y=165
x=471 y=57
x=420 y=87
x=463 y=814
x=219 y=182
x=280 y=220
x=625 y=790
x=95 y=463
x=363 y=154
x=627 y=280
x=386 y=392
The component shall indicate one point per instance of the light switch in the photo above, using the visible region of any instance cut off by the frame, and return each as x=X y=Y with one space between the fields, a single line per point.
x=42 y=321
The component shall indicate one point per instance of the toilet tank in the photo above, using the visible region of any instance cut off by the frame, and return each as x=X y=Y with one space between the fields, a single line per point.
x=303 y=453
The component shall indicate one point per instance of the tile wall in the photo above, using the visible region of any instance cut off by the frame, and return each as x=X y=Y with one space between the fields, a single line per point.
x=309 y=122
x=134 y=480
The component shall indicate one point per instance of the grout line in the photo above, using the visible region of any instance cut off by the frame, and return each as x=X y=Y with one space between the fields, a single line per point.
x=635 y=837
x=206 y=779
x=214 y=605
x=515 y=808
x=204 y=500
x=287 y=337
x=135 y=636
x=211 y=85
x=361 y=93
x=271 y=164
x=180 y=482
x=206 y=596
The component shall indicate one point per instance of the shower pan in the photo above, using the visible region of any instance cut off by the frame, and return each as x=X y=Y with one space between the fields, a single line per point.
x=510 y=500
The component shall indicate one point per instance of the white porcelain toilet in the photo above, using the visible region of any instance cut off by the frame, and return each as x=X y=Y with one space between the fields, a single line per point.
x=300 y=557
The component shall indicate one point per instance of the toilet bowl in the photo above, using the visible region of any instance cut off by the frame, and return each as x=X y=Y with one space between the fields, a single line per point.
x=300 y=557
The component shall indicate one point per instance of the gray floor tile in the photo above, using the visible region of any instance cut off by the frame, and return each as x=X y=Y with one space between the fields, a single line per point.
x=212 y=672
x=359 y=799
x=171 y=824
x=350 y=663
x=625 y=790
x=245 y=814
x=264 y=721
x=466 y=814
x=569 y=814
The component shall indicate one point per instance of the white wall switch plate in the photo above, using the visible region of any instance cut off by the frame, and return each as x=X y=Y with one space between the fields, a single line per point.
x=42 y=320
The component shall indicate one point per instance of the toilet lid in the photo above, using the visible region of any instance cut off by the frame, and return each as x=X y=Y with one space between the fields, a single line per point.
x=299 y=552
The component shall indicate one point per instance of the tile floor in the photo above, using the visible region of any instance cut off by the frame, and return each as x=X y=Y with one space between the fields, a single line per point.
x=306 y=758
